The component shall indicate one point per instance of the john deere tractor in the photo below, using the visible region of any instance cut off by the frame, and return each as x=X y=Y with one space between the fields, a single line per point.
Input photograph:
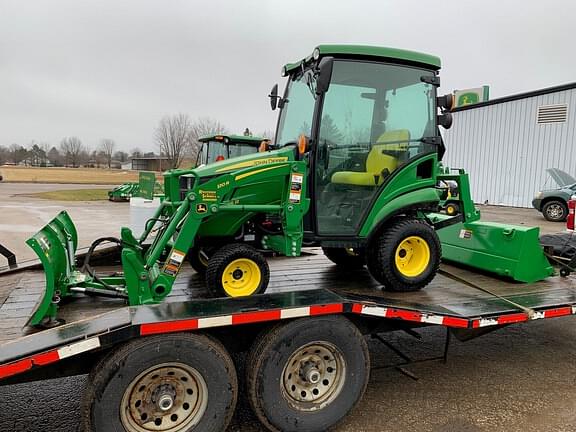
x=353 y=168
x=216 y=148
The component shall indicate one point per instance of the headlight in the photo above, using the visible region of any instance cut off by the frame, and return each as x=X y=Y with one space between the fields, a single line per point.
x=538 y=195
x=316 y=54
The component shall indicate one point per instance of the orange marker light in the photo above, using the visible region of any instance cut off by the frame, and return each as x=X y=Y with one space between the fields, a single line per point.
x=302 y=144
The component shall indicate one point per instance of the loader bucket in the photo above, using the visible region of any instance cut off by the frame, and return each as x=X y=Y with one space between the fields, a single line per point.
x=55 y=245
x=506 y=250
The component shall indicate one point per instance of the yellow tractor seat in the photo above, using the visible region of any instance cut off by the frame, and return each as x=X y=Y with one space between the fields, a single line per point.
x=381 y=160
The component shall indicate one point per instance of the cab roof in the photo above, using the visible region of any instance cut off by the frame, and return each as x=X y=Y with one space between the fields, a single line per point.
x=374 y=52
x=233 y=139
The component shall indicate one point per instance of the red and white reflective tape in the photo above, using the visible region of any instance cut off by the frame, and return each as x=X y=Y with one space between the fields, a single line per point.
x=85 y=345
x=408 y=315
x=523 y=317
x=239 y=318
x=48 y=357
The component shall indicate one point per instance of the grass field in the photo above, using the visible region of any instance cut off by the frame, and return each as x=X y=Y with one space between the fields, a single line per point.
x=67 y=175
x=73 y=195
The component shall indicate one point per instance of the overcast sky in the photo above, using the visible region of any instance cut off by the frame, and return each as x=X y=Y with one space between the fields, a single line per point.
x=113 y=68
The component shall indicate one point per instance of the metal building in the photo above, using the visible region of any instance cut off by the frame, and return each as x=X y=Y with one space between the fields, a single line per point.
x=150 y=163
x=507 y=144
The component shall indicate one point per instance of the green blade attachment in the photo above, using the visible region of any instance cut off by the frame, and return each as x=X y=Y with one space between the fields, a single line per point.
x=506 y=250
x=55 y=245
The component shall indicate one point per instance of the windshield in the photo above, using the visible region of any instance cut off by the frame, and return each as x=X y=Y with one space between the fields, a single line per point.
x=235 y=150
x=296 y=115
x=216 y=151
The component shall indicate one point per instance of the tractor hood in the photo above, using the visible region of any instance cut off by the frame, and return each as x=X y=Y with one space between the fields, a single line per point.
x=247 y=161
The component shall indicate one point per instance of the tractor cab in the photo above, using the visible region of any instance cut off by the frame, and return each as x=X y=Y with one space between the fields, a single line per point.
x=216 y=148
x=369 y=116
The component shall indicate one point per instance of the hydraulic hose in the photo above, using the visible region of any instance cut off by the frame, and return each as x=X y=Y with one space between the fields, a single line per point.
x=88 y=269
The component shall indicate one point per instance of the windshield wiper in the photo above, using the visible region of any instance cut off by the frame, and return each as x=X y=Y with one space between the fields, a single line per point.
x=310 y=82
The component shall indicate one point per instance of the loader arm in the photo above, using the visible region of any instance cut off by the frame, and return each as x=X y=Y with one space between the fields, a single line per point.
x=149 y=274
x=219 y=197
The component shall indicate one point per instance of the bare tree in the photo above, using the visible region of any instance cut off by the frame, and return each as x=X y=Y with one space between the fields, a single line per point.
x=54 y=156
x=172 y=137
x=18 y=153
x=201 y=127
x=72 y=149
x=107 y=147
x=121 y=156
x=4 y=154
x=135 y=153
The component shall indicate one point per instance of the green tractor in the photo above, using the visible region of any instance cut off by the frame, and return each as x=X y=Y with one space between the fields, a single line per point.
x=354 y=169
x=216 y=148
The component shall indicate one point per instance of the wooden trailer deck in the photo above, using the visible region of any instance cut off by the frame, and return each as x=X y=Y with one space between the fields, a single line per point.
x=445 y=296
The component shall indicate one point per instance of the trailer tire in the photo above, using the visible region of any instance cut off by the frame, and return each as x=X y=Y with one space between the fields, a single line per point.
x=344 y=257
x=405 y=256
x=197 y=385
x=237 y=270
x=331 y=378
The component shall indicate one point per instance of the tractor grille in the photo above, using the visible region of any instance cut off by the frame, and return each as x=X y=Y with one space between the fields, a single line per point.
x=186 y=184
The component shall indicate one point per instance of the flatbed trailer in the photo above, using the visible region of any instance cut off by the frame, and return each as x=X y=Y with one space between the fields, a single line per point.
x=302 y=291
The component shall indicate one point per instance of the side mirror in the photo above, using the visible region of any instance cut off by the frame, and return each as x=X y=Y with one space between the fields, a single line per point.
x=445 y=120
x=324 y=75
x=273 y=97
x=445 y=102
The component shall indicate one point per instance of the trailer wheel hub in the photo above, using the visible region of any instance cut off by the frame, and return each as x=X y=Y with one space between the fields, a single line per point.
x=314 y=376
x=168 y=397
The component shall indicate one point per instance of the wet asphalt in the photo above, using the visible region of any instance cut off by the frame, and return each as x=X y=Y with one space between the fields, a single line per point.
x=520 y=378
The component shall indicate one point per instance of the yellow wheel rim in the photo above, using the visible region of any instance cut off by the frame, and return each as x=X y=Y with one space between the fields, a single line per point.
x=241 y=278
x=412 y=256
x=450 y=210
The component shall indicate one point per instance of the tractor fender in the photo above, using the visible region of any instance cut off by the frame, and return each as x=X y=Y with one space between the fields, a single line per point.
x=411 y=202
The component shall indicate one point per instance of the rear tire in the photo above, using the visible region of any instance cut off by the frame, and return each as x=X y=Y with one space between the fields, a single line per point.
x=345 y=257
x=184 y=383
x=237 y=270
x=405 y=256
x=307 y=374
x=555 y=211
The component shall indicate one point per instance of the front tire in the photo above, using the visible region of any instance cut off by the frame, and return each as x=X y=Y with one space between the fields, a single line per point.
x=405 y=256
x=306 y=375
x=198 y=260
x=176 y=383
x=237 y=270
x=555 y=211
x=452 y=209
x=345 y=257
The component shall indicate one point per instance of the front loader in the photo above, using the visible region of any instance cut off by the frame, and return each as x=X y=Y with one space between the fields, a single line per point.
x=354 y=168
